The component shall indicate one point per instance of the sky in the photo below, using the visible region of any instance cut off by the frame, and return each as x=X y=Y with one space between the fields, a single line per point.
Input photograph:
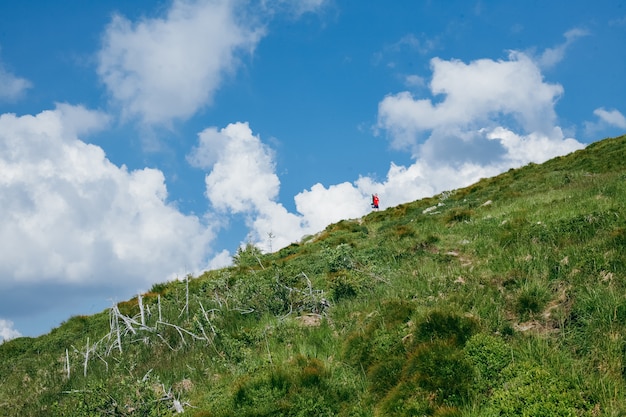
x=144 y=141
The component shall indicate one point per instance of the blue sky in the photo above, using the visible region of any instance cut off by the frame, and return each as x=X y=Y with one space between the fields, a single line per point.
x=142 y=141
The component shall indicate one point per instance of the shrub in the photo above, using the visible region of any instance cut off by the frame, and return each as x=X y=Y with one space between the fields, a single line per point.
x=339 y=258
x=257 y=395
x=381 y=338
x=345 y=286
x=356 y=350
x=385 y=375
x=489 y=355
x=403 y=231
x=530 y=390
x=445 y=326
x=393 y=312
x=249 y=256
x=406 y=399
x=442 y=370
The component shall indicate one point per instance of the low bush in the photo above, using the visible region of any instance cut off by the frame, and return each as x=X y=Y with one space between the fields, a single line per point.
x=531 y=390
x=489 y=355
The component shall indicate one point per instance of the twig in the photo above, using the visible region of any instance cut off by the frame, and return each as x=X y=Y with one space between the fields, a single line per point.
x=181 y=331
x=159 y=301
x=206 y=316
x=86 y=358
x=67 y=361
x=245 y=311
x=140 y=302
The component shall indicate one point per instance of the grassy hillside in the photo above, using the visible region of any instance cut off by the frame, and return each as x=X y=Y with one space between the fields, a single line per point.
x=505 y=298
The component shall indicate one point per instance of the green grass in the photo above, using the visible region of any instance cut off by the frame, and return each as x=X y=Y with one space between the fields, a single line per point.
x=507 y=299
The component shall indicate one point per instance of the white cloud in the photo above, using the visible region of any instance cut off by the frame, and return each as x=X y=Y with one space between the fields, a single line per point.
x=221 y=260
x=322 y=206
x=68 y=215
x=167 y=68
x=414 y=81
x=411 y=42
x=607 y=120
x=611 y=117
x=534 y=147
x=552 y=56
x=242 y=177
x=7 y=332
x=11 y=86
x=432 y=174
x=472 y=96
x=272 y=218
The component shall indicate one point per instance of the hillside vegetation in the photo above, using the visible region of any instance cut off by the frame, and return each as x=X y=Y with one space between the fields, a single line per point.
x=505 y=298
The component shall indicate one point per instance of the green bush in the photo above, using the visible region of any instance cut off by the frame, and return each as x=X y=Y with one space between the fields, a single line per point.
x=385 y=375
x=488 y=355
x=441 y=370
x=442 y=325
x=533 y=391
x=339 y=258
x=248 y=256
x=312 y=371
x=406 y=400
x=345 y=286
x=129 y=398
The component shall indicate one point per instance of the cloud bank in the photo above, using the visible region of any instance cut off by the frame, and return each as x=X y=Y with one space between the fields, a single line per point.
x=68 y=216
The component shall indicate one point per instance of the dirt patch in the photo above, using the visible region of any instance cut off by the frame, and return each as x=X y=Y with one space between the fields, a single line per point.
x=310 y=320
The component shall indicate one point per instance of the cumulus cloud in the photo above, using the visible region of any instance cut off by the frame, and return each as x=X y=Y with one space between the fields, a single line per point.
x=321 y=206
x=7 y=332
x=11 y=86
x=68 y=216
x=242 y=174
x=162 y=69
x=473 y=95
x=241 y=179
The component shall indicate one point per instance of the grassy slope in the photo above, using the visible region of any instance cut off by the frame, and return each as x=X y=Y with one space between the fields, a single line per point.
x=503 y=298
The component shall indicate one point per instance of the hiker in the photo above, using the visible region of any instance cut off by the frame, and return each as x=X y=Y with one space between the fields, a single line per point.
x=375 y=201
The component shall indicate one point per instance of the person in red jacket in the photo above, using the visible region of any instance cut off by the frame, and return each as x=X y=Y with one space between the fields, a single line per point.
x=375 y=201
